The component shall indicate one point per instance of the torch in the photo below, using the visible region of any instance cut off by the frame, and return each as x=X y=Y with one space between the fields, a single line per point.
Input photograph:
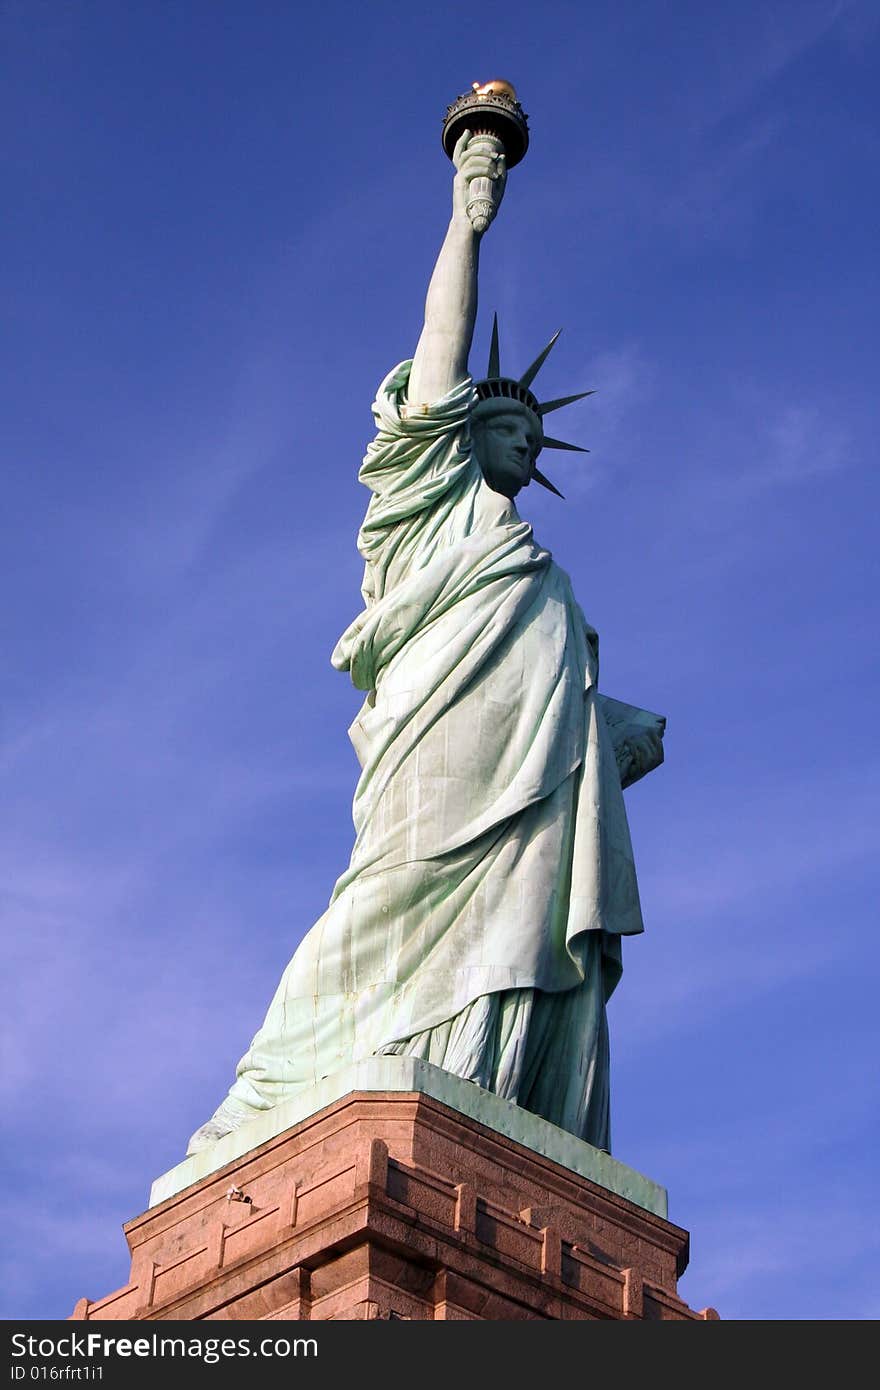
x=490 y=110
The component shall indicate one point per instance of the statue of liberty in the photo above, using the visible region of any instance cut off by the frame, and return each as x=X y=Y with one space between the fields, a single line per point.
x=478 y=925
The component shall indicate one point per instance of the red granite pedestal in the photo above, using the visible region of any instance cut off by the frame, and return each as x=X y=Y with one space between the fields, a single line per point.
x=394 y=1205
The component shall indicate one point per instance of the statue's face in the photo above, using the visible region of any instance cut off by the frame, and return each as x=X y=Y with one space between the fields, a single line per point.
x=506 y=445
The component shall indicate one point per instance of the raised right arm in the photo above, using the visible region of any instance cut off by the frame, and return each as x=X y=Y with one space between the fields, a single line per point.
x=441 y=358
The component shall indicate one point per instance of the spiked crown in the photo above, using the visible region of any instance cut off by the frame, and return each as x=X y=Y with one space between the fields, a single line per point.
x=494 y=387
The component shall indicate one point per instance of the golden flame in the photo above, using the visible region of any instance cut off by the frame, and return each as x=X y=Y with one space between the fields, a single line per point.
x=498 y=86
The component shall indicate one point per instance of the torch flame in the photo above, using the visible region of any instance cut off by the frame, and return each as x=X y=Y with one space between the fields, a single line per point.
x=498 y=86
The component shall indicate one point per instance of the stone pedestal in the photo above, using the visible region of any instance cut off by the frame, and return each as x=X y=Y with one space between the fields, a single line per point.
x=412 y=1200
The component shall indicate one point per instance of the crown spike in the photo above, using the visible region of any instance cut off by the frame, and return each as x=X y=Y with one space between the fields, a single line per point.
x=494 y=368
x=528 y=376
x=561 y=444
x=545 y=482
x=547 y=406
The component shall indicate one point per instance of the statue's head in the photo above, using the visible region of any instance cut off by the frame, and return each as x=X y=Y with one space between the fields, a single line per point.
x=507 y=438
x=507 y=425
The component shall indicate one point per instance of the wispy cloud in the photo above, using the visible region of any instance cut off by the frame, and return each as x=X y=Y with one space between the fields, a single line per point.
x=763 y=841
x=741 y=449
x=767 y=42
x=624 y=380
x=795 y=444
x=718 y=196
x=791 y=1255
x=609 y=423
x=804 y=444
x=730 y=124
x=857 y=23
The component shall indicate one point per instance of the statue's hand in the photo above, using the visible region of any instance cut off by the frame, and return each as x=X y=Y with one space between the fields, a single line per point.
x=478 y=157
x=640 y=752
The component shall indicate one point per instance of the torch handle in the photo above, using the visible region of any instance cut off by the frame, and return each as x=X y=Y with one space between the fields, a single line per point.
x=483 y=193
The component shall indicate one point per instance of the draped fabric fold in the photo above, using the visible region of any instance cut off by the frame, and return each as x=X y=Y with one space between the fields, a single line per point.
x=492 y=852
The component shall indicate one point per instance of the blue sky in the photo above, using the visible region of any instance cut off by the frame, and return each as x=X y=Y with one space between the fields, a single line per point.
x=220 y=222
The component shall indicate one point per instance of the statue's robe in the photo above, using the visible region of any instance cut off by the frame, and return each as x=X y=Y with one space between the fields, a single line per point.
x=478 y=924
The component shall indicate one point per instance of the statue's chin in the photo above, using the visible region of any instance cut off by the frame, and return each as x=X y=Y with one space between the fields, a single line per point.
x=503 y=483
